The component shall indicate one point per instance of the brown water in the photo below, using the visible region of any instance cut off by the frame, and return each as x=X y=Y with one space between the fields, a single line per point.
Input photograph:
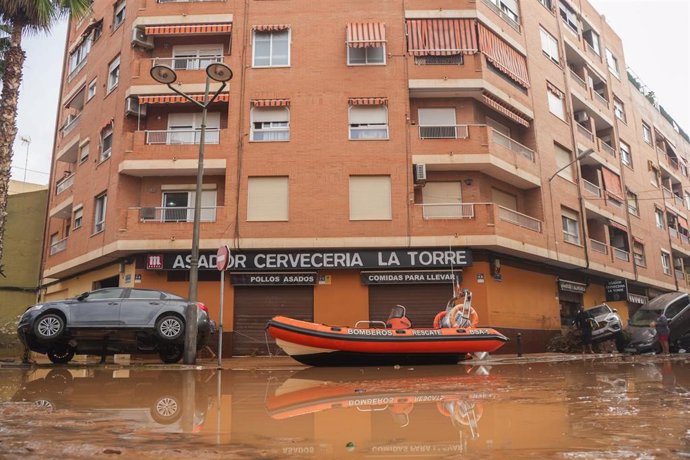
x=611 y=407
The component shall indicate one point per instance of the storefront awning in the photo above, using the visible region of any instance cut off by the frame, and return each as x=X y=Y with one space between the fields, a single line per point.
x=270 y=102
x=441 y=37
x=366 y=34
x=177 y=99
x=638 y=299
x=502 y=108
x=368 y=101
x=187 y=29
x=503 y=56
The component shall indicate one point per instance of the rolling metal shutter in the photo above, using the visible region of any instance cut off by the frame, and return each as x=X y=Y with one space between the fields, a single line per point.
x=422 y=301
x=254 y=306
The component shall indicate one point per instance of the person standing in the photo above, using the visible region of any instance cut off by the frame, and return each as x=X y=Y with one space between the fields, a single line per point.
x=583 y=321
x=662 y=331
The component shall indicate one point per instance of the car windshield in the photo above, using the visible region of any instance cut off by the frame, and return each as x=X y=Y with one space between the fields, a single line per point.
x=599 y=310
x=642 y=318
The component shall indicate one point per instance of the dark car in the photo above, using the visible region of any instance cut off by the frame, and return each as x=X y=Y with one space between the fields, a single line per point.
x=112 y=320
x=676 y=307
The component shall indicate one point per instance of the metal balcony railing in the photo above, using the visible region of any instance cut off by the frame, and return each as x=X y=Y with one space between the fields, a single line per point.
x=64 y=183
x=673 y=232
x=181 y=136
x=578 y=79
x=512 y=144
x=58 y=246
x=444 y=132
x=520 y=219
x=600 y=98
x=621 y=254
x=585 y=132
x=70 y=124
x=448 y=210
x=591 y=188
x=598 y=246
x=511 y=22
x=176 y=214
x=188 y=63
x=606 y=147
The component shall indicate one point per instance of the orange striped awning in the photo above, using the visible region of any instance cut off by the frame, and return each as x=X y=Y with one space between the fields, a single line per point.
x=441 y=37
x=366 y=34
x=554 y=89
x=621 y=227
x=184 y=29
x=368 y=101
x=505 y=58
x=177 y=99
x=270 y=102
x=502 y=108
x=271 y=27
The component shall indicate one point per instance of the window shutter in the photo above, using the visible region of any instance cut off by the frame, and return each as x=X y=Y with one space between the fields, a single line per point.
x=368 y=115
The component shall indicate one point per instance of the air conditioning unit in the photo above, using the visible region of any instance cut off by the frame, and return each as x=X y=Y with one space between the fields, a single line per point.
x=581 y=117
x=419 y=174
x=140 y=39
x=132 y=107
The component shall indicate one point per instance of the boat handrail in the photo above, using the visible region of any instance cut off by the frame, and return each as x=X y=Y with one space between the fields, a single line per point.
x=383 y=323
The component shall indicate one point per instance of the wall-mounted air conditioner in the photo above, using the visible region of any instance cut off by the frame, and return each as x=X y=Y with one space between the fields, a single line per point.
x=140 y=39
x=132 y=107
x=419 y=174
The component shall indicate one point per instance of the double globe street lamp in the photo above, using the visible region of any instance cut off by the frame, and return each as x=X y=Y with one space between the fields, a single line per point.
x=219 y=72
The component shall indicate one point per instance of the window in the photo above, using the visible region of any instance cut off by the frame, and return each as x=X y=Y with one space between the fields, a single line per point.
x=370 y=198
x=108 y=293
x=646 y=133
x=118 y=14
x=549 y=45
x=271 y=49
x=666 y=262
x=564 y=159
x=571 y=229
x=638 y=254
x=113 y=74
x=632 y=203
x=178 y=206
x=267 y=199
x=438 y=123
x=185 y=128
x=106 y=142
x=77 y=58
x=84 y=152
x=626 y=158
x=77 y=217
x=144 y=294
x=612 y=62
x=366 y=53
x=91 y=91
x=442 y=200
x=569 y=16
x=619 y=109
x=509 y=9
x=547 y=3
x=654 y=176
x=196 y=57
x=592 y=40
x=270 y=124
x=368 y=122
x=659 y=218
x=99 y=213
x=556 y=101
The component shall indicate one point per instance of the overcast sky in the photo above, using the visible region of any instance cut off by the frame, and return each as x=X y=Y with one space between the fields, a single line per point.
x=655 y=34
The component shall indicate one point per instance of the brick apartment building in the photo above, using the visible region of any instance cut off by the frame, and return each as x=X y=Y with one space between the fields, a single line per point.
x=364 y=155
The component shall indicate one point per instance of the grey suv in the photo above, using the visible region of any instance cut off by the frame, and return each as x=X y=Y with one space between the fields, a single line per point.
x=608 y=324
x=109 y=321
x=676 y=307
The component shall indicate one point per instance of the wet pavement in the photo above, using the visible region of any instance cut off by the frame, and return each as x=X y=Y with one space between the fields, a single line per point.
x=551 y=406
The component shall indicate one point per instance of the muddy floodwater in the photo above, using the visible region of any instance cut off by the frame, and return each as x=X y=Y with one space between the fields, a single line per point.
x=582 y=408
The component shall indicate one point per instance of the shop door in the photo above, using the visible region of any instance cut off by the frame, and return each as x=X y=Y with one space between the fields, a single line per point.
x=422 y=301
x=254 y=306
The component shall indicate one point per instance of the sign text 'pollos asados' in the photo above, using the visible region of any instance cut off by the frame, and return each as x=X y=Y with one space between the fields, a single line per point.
x=315 y=260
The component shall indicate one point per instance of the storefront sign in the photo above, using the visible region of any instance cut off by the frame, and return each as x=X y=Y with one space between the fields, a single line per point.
x=616 y=290
x=572 y=286
x=418 y=258
x=638 y=299
x=411 y=277
x=273 y=279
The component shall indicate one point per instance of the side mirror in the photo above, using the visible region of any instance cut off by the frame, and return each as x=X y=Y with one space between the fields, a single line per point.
x=82 y=296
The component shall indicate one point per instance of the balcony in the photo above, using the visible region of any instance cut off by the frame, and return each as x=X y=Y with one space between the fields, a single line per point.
x=64 y=184
x=521 y=220
x=58 y=246
x=476 y=148
x=591 y=189
x=448 y=210
x=172 y=223
x=601 y=99
x=190 y=70
x=598 y=246
x=585 y=133
x=606 y=148
x=187 y=63
x=181 y=137
x=70 y=124
x=577 y=79
x=605 y=257
x=62 y=210
x=70 y=152
x=175 y=214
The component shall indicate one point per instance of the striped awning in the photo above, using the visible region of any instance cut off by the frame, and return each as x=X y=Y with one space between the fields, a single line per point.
x=366 y=34
x=368 y=101
x=505 y=58
x=621 y=227
x=185 y=29
x=87 y=32
x=502 y=108
x=108 y=124
x=441 y=37
x=554 y=89
x=270 y=102
x=271 y=27
x=177 y=99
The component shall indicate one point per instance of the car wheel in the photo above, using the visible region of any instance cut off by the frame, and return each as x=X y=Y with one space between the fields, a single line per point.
x=44 y=404
x=49 y=326
x=58 y=377
x=61 y=354
x=166 y=410
x=169 y=327
x=171 y=354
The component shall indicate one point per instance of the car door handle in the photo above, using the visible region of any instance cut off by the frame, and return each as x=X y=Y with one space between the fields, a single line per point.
x=113 y=303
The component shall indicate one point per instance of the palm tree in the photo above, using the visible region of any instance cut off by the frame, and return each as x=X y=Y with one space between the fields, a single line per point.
x=4 y=46
x=20 y=17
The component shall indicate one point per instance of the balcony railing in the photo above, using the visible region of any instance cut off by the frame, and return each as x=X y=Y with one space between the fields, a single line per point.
x=591 y=188
x=598 y=246
x=667 y=193
x=64 y=183
x=517 y=218
x=673 y=232
x=570 y=238
x=511 y=22
x=639 y=260
x=620 y=254
x=176 y=214
x=76 y=70
x=70 y=124
x=578 y=79
x=680 y=275
x=591 y=49
x=679 y=201
x=444 y=132
x=606 y=147
x=600 y=98
x=188 y=63
x=684 y=238
x=179 y=136
x=448 y=211
x=512 y=144
x=585 y=132
x=58 y=246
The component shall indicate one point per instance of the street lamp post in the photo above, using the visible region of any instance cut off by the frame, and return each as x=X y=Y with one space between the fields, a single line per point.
x=221 y=73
